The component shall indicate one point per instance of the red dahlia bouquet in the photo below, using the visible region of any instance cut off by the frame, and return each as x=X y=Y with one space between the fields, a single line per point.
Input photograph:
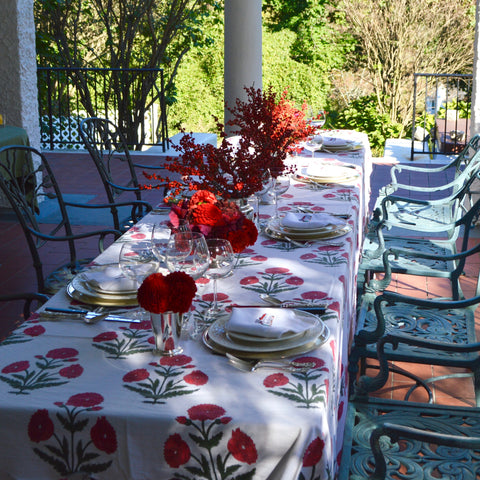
x=167 y=293
x=216 y=219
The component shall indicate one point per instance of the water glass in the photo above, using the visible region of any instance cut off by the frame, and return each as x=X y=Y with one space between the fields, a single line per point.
x=280 y=185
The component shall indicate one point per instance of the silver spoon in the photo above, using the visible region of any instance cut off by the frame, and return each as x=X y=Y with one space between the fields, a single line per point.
x=287 y=303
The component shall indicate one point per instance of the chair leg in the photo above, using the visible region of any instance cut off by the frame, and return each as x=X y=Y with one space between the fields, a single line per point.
x=476 y=386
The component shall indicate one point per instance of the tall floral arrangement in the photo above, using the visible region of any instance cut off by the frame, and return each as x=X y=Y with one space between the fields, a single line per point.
x=268 y=127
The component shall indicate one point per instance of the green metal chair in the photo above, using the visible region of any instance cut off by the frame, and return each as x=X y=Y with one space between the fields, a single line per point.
x=432 y=216
x=26 y=184
x=431 y=320
x=400 y=439
x=109 y=151
x=430 y=257
x=456 y=165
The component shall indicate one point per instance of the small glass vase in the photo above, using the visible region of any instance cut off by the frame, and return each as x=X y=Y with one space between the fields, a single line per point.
x=244 y=207
x=167 y=328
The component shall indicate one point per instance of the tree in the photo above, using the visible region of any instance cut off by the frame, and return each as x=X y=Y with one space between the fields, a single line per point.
x=397 y=38
x=121 y=34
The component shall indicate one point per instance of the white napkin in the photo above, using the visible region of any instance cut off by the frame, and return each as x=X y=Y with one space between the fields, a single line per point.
x=267 y=322
x=109 y=279
x=335 y=141
x=308 y=221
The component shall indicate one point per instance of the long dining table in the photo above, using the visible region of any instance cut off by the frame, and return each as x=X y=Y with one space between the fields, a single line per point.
x=93 y=401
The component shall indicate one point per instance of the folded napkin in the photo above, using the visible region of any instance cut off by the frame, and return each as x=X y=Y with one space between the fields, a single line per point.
x=109 y=279
x=335 y=141
x=267 y=322
x=308 y=221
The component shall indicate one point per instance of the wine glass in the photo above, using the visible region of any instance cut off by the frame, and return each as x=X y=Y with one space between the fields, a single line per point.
x=281 y=184
x=160 y=237
x=222 y=261
x=314 y=144
x=187 y=252
x=267 y=184
x=318 y=121
x=137 y=262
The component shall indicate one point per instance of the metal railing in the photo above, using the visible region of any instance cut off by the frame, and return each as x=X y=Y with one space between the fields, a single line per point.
x=441 y=113
x=134 y=99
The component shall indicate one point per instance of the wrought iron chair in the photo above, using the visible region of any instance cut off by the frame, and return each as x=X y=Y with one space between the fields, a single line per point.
x=432 y=216
x=394 y=439
x=449 y=321
x=109 y=151
x=28 y=300
x=425 y=256
x=456 y=165
x=26 y=184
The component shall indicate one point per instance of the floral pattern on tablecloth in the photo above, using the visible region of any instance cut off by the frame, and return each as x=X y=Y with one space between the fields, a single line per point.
x=57 y=367
x=71 y=441
x=168 y=378
x=26 y=332
x=126 y=341
x=303 y=388
x=202 y=451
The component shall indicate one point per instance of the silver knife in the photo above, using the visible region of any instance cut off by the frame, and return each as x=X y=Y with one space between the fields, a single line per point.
x=90 y=315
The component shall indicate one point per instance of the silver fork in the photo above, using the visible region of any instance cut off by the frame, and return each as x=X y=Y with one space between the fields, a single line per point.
x=253 y=365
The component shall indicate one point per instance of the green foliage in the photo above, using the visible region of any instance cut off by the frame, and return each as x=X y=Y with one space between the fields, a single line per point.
x=362 y=115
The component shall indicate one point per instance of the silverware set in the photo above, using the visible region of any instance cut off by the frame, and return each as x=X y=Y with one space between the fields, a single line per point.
x=90 y=317
x=253 y=365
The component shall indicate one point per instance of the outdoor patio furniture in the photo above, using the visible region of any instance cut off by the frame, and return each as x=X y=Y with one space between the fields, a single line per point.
x=451 y=322
x=110 y=152
x=396 y=439
x=28 y=299
x=400 y=171
x=430 y=257
x=431 y=215
x=25 y=192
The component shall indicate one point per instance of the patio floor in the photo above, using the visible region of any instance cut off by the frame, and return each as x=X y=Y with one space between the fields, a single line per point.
x=77 y=175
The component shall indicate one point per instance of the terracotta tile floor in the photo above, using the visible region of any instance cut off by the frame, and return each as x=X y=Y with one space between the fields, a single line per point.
x=76 y=174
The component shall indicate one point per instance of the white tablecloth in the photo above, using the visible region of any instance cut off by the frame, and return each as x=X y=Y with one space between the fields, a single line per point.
x=93 y=398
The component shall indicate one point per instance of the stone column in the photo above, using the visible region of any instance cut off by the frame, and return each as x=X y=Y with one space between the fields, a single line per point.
x=243 y=49
x=18 y=67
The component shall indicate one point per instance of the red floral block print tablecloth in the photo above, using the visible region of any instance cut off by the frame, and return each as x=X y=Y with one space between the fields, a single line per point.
x=92 y=401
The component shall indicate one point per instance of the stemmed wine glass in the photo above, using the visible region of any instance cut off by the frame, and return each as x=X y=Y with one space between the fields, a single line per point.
x=222 y=261
x=267 y=184
x=281 y=184
x=137 y=262
x=160 y=236
x=187 y=252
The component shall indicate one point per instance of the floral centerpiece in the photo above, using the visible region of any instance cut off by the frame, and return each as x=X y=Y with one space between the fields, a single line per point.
x=268 y=128
x=216 y=219
x=160 y=293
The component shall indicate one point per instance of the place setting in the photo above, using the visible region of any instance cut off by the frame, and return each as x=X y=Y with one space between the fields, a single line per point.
x=326 y=174
x=264 y=333
x=303 y=227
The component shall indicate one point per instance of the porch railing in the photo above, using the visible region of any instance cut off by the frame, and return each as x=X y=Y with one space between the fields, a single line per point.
x=441 y=113
x=133 y=99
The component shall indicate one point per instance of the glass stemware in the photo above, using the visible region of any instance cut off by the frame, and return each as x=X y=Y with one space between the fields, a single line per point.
x=222 y=261
x=137 y=261
x=267 y=184
x=187 y=252
x=281 y=184
x=160 y=237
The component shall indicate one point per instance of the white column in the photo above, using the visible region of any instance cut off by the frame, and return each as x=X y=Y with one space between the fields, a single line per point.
x=243 y=49
x=18 y=67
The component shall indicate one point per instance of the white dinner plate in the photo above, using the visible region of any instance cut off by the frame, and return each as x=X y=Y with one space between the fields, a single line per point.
x=275 y=230
x=218 y=334
x=84 y=278
x=79 y=290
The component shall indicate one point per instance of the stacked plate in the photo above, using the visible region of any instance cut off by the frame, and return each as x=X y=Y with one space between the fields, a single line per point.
x=220 y=339
x=336 y=144
x=324 y=172
x=103 y=285
x=277 y=229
